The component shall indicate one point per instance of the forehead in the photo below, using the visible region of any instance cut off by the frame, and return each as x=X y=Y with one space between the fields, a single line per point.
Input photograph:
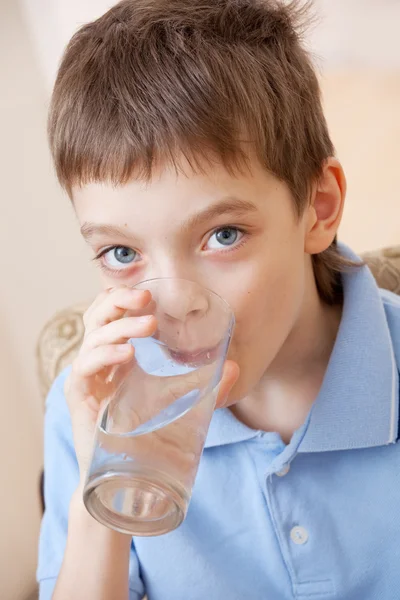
x=173 y=196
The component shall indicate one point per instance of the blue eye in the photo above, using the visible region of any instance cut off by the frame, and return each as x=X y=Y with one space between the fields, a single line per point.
x=226 y=236
x=119 y=256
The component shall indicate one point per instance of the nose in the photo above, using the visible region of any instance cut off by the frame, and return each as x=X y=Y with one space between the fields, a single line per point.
x=182 y=301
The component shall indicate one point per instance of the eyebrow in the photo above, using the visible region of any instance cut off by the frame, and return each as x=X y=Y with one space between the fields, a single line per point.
x=89 y=230
x=231 y=206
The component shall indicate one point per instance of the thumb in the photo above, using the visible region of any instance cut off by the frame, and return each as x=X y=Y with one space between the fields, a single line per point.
x=230 y=375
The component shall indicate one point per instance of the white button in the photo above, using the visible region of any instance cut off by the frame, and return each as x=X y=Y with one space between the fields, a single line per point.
x=283 y=471
x=299 y=535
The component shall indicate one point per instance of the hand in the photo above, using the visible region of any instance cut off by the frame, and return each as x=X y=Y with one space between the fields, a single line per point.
x=106 y=358
x=103 y=360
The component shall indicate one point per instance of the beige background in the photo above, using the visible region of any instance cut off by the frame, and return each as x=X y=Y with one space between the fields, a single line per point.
x=44 y=265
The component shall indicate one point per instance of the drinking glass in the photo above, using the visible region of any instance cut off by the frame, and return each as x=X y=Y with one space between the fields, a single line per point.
x=151 y=431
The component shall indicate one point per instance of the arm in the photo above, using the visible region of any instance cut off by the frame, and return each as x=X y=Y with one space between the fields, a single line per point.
x=96 y=559
x=75 y=551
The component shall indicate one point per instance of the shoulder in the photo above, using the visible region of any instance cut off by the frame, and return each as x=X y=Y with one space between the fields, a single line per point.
x=61 y=478
x=58 y=437
x=390 y=299
x=391 y=305
x=56 y=397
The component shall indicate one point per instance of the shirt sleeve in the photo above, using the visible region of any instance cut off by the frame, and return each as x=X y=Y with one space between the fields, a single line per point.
x=60 y=481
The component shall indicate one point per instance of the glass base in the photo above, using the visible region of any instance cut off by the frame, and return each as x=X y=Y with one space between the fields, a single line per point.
x=142 y=503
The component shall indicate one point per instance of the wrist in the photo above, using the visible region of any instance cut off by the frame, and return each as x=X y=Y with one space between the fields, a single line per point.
x=96 y=558
x=80 y=519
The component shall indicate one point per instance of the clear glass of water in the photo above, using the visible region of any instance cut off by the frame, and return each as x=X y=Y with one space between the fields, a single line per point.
x=151 y=431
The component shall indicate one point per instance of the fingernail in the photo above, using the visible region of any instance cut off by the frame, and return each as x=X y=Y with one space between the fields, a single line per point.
x=145 y=319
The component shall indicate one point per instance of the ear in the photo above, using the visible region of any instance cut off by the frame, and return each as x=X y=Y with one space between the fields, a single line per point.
x=326 y=208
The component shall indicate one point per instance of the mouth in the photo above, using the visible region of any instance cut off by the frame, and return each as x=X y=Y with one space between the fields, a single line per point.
x=195 y=358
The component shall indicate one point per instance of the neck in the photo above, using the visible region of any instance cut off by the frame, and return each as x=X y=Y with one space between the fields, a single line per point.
x=288 y=389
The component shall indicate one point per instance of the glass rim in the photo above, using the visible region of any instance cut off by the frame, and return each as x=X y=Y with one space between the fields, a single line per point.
x=206 y=289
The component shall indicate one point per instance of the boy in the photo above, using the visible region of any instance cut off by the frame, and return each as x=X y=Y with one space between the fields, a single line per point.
x=191 y=140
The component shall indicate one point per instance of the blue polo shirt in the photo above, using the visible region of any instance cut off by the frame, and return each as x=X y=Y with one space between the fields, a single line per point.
x=317 y=519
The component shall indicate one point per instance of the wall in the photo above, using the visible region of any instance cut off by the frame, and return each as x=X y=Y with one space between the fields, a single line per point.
x=43 y=262
x=362 y=108
x=44 y=267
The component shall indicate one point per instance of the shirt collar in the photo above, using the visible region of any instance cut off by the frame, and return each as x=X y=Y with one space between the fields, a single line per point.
x=357 y=406
x=225 y=428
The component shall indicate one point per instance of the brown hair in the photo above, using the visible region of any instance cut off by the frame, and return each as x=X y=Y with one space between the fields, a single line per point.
x=152 y=79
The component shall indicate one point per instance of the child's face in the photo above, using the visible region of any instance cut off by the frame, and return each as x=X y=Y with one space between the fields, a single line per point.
x=238 y=236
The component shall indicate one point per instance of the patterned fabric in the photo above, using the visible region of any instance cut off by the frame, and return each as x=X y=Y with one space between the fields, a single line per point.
x=385 y=267
x=63 y=334
x=58 y=344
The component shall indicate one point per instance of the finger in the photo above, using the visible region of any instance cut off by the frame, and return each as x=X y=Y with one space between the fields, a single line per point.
x=120 y=373
x=91 y=363
x=118 y=332
x=112 y=305
x=98 y=301
x=230 y=376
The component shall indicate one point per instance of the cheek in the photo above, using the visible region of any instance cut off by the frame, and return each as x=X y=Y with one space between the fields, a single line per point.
x=266 y=308
x=265 y=316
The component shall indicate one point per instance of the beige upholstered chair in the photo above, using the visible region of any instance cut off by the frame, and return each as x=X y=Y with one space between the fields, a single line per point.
x=62 y=335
